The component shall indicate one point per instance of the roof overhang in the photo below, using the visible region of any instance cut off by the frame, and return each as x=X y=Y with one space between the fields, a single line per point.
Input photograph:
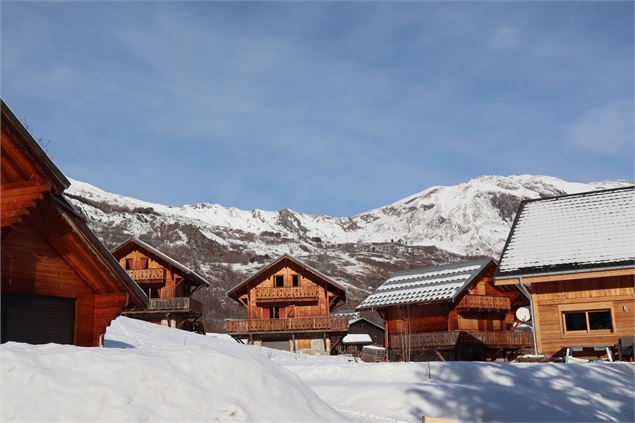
x=132 y=243
x=565 y=275
x=242 y=287
x=33 y=149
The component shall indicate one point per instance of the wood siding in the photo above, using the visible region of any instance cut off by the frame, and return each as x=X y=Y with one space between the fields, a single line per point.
x=46 y=249
x=551 y=299
x=482 y=308
x=299 y=312
x=293 y=306
x=173 y=306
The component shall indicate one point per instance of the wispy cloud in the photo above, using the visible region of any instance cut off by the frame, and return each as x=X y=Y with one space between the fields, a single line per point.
x=606 y=129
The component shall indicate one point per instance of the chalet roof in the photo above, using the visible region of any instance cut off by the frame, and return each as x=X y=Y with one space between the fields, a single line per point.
x=186 y=271
x=52 y=199
x=33 y=149
x=243 y=286
x=352 y=322
x=427 y=285
x=566 y=233
x=79 y=223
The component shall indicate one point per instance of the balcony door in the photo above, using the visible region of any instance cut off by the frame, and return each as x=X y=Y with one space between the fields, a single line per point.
x=274 y=313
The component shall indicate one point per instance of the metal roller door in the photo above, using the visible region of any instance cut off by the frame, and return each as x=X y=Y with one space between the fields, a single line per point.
x=37 y=319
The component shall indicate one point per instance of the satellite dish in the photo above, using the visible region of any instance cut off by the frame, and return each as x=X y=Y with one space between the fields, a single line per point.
x=523 y=314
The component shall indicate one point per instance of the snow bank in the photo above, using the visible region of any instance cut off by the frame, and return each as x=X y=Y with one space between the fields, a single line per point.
x=474 y=392
x=151 y=373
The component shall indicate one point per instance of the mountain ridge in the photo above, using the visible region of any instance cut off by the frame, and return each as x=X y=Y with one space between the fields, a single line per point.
x=438 y=224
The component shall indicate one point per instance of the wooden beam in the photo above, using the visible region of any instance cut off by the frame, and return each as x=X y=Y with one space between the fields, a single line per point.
x=16 y=198
x=568 y=276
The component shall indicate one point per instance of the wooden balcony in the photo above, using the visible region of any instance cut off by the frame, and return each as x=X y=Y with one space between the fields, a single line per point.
x=181 y=305
x=148 y=275
x=300 y=324
x=483 y=302
x=447 y=340
x=291 y=294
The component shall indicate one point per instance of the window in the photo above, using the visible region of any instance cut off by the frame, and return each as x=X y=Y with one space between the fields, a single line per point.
x=143 y=263
x=296 y=280
x=272 y=312
x=129 y=264
x=279 y=281
x=587 y=321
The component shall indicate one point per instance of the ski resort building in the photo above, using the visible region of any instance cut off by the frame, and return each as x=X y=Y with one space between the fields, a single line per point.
x=575 y=254
x=168 y=284
x=289 y=307
x=59 y=282
x=451 y=312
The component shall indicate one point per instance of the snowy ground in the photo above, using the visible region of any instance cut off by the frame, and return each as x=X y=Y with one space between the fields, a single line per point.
x=151 y=373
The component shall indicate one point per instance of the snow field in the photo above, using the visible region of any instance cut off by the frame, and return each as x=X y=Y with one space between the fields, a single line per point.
x=151 y=373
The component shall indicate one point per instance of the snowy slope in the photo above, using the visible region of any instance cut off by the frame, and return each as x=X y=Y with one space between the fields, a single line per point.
x=468 y=219
x=152 y=373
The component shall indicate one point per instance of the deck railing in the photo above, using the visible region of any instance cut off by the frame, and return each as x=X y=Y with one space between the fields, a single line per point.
x=297 y=293
x=450 y=339
x=177 y=304
x=151 y=275
x=299 y=324
x=483 y=302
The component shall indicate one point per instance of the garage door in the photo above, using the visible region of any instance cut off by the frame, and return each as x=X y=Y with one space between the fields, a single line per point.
x=278 y=345
x=37 y=319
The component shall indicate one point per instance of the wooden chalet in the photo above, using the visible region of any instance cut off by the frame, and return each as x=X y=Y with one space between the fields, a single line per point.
x=168 y=284
x=449 y=312
x=289 y=307
x=59 y=282
x=575 y=254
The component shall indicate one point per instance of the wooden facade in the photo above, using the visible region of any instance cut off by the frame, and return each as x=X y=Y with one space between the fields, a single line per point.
x=289 y=307
x=479 y=324
x=168 y=284
x=59 y=283
x=575 y=255
x=594 y=310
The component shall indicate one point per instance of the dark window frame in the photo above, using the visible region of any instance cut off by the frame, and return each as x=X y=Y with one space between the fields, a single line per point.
x=587 y=322
x=277 y=279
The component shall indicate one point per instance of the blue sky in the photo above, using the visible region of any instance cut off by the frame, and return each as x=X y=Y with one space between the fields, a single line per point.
x=329 y=108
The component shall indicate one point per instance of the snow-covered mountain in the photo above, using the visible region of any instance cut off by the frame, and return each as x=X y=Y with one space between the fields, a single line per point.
x=440 y=223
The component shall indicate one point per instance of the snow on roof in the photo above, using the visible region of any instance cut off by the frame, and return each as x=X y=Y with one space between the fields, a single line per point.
x=432 y=284
x=357 y=338
x=587 y=230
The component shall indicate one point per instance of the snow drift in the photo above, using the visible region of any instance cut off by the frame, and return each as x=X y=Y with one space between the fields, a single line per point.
x=151 y=373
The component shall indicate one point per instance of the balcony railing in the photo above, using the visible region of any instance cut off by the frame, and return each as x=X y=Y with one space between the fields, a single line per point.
x=171 y=305
x=300 y=324
x=150 y=275
x=483 y=302
x=451 y=339
x=291 y=294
